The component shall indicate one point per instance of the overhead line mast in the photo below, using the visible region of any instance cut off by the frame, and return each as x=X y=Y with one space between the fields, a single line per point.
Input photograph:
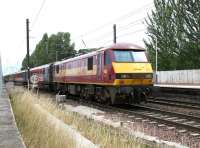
x=114 y=34
x=27 y=41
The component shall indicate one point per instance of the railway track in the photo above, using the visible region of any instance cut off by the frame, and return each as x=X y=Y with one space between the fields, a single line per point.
x=190 y=123
x=176 y=103
x=181 y=121
x=178 y=120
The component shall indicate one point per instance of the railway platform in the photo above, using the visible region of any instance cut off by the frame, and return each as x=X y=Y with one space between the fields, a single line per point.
x=9 y=134
x=181 y=86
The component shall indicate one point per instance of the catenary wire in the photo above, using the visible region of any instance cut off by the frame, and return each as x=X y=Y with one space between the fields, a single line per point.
x=130 y=14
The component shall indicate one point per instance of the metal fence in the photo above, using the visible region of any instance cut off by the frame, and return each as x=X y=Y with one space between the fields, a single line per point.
x=179 y=77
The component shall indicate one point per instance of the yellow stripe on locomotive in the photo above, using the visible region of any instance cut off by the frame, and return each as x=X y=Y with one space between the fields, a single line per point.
x=133 y=74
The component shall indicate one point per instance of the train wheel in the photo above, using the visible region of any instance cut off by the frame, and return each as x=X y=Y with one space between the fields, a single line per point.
x=105 y=97
x=67 y=94
x=112 y=95
x=140 y=95
x=108 y=101
x=82 y=94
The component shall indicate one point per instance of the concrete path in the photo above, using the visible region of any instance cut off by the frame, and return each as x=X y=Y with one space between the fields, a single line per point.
x=9 y=134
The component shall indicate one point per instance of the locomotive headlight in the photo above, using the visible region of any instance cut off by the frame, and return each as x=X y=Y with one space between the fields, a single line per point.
x=148 y=76
x=134 y=76
x=125 y=76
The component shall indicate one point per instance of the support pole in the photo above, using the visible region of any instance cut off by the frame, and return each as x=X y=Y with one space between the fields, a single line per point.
x=156 y=54
x=156 y=59
x=114 y=34
x=27 y=41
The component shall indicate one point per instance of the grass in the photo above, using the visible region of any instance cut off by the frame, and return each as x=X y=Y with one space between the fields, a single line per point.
x=38 y=133
x=35 y=129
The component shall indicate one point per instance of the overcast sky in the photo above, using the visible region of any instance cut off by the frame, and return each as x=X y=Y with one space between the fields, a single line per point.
x=88 y=20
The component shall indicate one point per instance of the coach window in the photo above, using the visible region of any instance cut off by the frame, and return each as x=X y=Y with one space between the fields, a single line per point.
x=106 y=57
x=57 y=68
x=90 y=63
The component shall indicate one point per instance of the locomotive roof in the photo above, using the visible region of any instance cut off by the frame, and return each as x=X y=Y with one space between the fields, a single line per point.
x=125 y=46
x=76 y=58
x=19 y=72
x=114 y=46
x=40 y=67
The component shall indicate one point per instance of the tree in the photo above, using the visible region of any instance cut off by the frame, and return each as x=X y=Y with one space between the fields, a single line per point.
x=49 y=49
x=175 y=24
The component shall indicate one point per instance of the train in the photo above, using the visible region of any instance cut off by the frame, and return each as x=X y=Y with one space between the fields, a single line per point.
x=118 y=74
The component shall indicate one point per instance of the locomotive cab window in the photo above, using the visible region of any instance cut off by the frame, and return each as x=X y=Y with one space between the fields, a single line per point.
x=130 y=56
x=139 y=56
x=90 y=63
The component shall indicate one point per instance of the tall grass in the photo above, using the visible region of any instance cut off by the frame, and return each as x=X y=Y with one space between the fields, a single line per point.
x=32 y=124
x=35 y=129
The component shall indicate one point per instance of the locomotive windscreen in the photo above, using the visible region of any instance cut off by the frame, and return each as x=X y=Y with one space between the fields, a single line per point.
x=129 y=56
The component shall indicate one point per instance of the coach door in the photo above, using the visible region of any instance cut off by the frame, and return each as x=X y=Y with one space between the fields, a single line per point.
x=99 y=66
x=51 y=73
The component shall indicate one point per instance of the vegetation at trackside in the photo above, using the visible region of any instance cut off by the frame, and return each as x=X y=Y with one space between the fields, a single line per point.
x=37 y=133
x=54 y=48
x=49 y=49
x=176 y=25
x=32 y=123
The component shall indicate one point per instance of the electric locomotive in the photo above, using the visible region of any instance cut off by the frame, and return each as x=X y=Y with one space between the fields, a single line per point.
x=120 y=73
